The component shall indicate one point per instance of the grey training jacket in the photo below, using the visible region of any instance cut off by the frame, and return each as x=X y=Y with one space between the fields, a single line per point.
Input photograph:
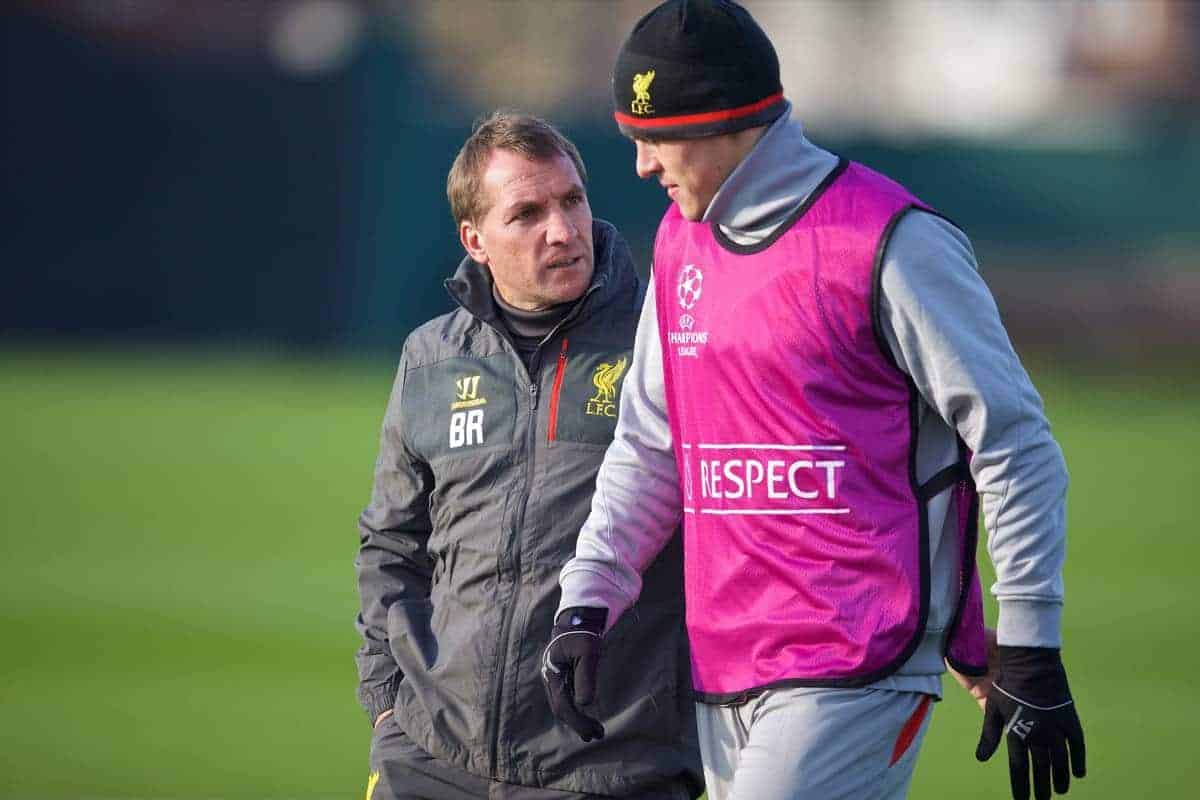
x=484 y=478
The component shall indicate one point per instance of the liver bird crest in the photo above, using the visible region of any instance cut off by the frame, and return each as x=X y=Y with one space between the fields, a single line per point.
x=605 y=379
x=641 y=92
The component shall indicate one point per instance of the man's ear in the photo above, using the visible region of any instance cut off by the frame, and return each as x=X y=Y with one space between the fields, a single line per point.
x=472 y=241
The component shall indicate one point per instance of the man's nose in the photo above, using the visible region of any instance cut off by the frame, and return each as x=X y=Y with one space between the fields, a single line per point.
x=647 y=163
x=561 y=228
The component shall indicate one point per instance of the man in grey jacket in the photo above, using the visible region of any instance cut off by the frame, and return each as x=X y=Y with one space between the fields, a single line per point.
x=882 y=349
x=497 y=423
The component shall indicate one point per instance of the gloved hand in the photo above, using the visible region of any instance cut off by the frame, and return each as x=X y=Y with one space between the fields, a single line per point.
x=569 y=667
x=1031 y=703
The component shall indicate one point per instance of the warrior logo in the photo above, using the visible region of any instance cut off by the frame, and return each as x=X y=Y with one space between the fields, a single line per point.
x=691 y=281
x=605 y=380
x=641 y=93
x=466 y=393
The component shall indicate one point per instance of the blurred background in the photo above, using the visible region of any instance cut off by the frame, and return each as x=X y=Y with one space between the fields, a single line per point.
x=219 y=220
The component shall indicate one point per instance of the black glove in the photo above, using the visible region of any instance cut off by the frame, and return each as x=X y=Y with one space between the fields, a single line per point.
x=1031 y=703
x=569 y=667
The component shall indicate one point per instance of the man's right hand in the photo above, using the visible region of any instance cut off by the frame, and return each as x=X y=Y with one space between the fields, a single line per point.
x=569 y=667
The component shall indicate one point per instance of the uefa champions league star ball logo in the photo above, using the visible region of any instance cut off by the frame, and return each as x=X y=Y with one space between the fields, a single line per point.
x=687 y=342
x=691 y=281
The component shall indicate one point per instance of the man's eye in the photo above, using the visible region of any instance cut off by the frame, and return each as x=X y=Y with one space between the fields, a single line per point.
x=574 y=200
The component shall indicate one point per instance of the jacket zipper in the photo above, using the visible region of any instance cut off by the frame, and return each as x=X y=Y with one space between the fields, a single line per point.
x=552 y=425
x=507 y=615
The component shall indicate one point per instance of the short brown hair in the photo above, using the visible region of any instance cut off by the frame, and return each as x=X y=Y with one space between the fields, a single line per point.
x=528 y=135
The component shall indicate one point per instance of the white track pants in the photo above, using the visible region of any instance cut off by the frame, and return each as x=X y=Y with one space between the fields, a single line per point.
x=813 y=744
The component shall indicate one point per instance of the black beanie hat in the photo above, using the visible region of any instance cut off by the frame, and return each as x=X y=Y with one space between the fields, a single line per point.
x=696 y=68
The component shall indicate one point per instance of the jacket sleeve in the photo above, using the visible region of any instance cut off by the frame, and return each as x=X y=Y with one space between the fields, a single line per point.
x=636 y=506
x=944 y=330
x=393 y=563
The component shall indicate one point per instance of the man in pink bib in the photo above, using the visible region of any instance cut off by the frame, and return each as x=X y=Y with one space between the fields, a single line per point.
x=822 y=394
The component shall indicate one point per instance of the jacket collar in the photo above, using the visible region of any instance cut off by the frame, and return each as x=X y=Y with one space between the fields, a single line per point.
x=614 y=277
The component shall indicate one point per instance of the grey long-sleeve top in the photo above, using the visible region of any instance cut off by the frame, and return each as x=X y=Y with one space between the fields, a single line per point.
x=944 y=330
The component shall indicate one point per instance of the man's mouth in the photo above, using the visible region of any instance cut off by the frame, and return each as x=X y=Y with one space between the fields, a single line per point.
x=564 y=263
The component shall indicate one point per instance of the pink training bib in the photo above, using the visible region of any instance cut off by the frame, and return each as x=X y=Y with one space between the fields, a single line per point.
x=806 y=545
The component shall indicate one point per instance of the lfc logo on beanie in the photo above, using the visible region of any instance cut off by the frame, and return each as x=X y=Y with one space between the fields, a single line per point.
x=641 y=93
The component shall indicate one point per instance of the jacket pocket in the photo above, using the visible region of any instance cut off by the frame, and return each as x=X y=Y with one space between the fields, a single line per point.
x=586 y=395
x=410 y=635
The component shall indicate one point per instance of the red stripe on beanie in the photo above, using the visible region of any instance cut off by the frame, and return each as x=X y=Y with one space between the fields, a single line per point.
x=698 y=119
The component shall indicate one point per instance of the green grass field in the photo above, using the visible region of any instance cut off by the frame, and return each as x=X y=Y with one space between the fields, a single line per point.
x=177 y=597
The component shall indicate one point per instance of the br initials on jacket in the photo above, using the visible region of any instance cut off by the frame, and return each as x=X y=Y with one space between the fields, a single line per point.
x=466 y=427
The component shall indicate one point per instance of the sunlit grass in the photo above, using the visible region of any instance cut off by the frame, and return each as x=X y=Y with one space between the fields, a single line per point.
x=178 y=594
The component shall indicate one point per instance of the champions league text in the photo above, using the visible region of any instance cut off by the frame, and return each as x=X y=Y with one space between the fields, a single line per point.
x=687 y=340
